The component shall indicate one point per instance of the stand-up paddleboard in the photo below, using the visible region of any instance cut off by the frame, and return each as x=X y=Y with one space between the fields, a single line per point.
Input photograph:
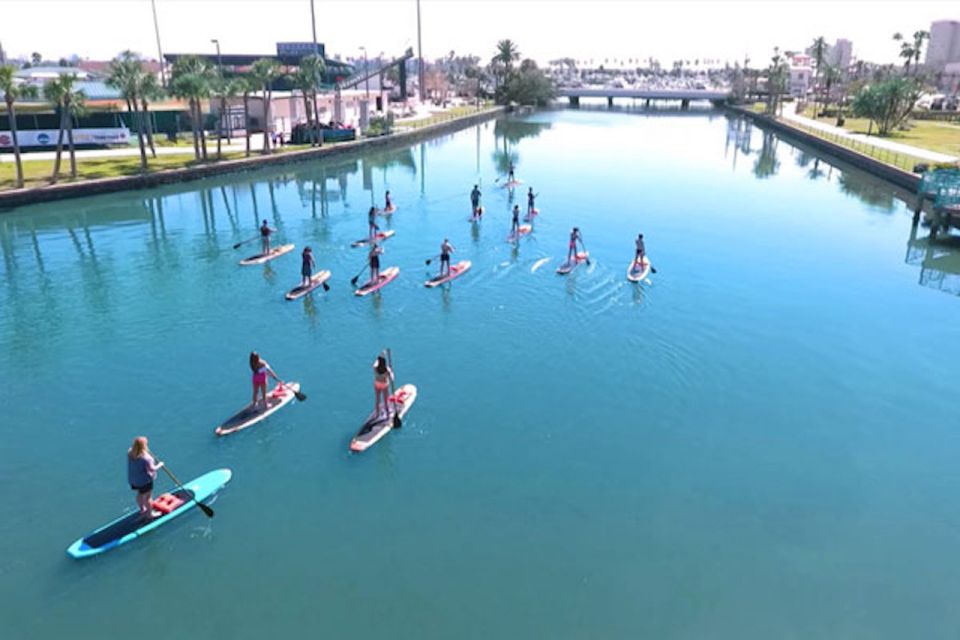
x=317 y=280
x=249 y=416
x=456 y=270
x=131 y=526
x=260 y=258
x=477 y=217
x=387 y=212
x=523 y=230
x=387 y=276
x=512 y=183
x=531 y=214
x=568 y=266
x=638 y=272
x=377 y=426
x=379 y=237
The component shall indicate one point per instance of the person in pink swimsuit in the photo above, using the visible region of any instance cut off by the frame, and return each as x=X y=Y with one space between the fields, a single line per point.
x=260 y=370
x=572 y=249
x=382 y=376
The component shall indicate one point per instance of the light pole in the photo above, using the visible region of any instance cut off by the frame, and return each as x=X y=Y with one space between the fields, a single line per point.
x=366 y=72
x=156 y=29
x=423 y=89
x=223 y=96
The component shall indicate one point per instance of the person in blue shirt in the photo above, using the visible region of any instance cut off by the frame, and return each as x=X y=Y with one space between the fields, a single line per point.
x=142 y=470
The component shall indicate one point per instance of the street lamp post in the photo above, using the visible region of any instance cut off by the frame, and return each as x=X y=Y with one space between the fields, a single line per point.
x=223 y=99
x=423 y=89
x=156 y=30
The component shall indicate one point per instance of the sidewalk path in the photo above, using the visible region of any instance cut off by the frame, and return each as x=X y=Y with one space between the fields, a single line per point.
x=881 y=143
x=256 y=143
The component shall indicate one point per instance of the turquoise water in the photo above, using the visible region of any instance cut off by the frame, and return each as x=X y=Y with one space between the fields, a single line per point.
x=761 y=442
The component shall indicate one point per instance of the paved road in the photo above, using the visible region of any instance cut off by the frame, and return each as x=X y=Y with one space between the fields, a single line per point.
x=881 y=143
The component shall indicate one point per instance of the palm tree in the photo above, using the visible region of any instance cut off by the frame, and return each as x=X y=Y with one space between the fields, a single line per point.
x=150 y=91
x=507 y=54
x=266 y=71
x=222 y=89
x=819 y=50
x=307 y=79
x=11 y=92
x=126 y=75
x=918 y=38
x=191 y=77
x=70 y=103
x=246 y=85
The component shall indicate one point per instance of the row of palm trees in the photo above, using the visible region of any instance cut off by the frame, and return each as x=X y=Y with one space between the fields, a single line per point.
x=192 y=79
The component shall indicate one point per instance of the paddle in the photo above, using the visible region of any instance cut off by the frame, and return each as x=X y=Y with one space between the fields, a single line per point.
x=353 y=280
x=297 y=394
x=429 y=260
x=207 y=511
x=240 y=244
x=393 y=390
x=584 y=247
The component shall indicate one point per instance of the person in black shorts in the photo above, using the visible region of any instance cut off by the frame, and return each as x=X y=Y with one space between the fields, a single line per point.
x=445 y=250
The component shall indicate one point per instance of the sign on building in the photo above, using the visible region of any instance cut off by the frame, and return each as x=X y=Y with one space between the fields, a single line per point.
x=299 y=49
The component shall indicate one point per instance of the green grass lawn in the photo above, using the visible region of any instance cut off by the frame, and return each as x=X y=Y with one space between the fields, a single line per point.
x=942 y=137
x=37 y=173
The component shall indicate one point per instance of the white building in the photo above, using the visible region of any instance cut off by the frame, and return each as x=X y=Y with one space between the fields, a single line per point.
x=944 y=45
x=841 y=54
x=801 y=75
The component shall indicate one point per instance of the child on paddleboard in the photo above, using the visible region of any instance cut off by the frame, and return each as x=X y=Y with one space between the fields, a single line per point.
x=515 y=224
x=260 y=370
x=475 y=201
x=510 y=177
x=374 y=257
x=265 y=232
x=307 y=266
x=445 y=250
x=141 y=472
x=641 y=250
x=387 y=205
x=572 y=249
x=382 y=377
x=530 y=199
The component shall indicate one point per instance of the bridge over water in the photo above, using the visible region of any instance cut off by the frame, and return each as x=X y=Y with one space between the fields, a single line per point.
x=684 y=96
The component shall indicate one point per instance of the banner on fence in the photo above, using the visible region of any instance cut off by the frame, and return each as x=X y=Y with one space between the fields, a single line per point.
x=48 y=137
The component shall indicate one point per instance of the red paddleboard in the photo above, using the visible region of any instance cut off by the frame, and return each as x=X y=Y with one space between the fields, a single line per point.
x=638 y=272
x=476 y=217
x=567 y=267
x=531 y=214
x=248 y=416
x=387 y=276
x=456 y=270
x=524 y=230
x=376 y=427
x=317 y=280
x=387 y=212
x=379 y=237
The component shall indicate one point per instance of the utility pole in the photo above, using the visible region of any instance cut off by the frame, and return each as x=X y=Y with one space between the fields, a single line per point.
x=423 y=89
x=366 y=72
x=317 y=136
x=156 y=29
x=224 y=114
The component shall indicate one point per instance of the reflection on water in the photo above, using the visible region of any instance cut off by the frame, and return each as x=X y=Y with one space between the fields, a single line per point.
x=938 y=259
x=869 y=190
x=767 y=163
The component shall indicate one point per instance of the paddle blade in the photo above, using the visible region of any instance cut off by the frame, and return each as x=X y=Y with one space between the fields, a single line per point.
x=397 y=423
x=353 y=282
x=207 y=511
x=300 y=395
x=326 y=287
x=428 y=261
x=652 y=270
x=237 y=246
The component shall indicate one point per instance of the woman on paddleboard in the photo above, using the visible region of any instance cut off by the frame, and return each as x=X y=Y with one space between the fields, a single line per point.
x=307 y=266
x=641 y=250
x=260 y=370
x=387 y=205
x=515 y=224
x=265 y=232
x=445 y=250
x=374 y=257
x=372 y=227
x=530 y=199
x=572 y=249
x=510 y=177
x=382 y=377
x=141 y=472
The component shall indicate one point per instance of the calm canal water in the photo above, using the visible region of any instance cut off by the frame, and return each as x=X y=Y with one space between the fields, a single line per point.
x=760 y=443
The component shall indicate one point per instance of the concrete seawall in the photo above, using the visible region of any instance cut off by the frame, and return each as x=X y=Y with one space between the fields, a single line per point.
x=898 y=177
x=21 y=197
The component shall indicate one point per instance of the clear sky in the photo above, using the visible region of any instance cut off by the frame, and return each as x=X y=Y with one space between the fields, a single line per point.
x=543 y=29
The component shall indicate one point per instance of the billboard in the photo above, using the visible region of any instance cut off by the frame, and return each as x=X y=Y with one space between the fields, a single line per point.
x=299 y=49
x=48 y=137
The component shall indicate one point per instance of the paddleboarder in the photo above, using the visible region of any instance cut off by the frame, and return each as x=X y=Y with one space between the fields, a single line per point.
x=260 y=370
x=387 y=205
x=515 y=224
x=372 y=227
x=265 y=232
x=382 y=377
x=530 y=199
x=641 y=251
x=307 y=266
x=510 y=177
x=445 y=250
x=374 y=256
x=475 y=201
x=572 y=249
x=142 y=470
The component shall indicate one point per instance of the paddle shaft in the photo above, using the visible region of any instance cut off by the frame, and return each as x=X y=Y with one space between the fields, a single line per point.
x=240 y=244
x=207 y=511
x=429 y=260
x=393 y=388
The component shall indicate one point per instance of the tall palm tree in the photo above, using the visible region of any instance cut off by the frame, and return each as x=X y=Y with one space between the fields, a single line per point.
x=11 y=92
x=266 y=71
x=150 y=91
x=819 y=50
x=502 y=62
x=191 y=78
x=246 y=85
x=918 y=38
x=126 y=75
x=308 y=78
x=70 y=103
x=223 y=89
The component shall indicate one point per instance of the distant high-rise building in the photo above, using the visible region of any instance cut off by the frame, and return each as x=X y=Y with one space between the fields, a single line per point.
x=944 y=45
x=841 y=53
